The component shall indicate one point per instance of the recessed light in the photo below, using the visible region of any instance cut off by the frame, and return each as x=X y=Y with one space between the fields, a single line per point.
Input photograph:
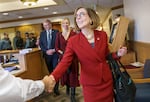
x=54 y=12
x=20 y=16
x=5 y=13
x=46 y=8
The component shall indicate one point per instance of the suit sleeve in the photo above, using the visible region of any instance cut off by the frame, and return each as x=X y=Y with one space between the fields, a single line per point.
x=14 y=42
x=15 y=89
x=57 y=43
x=41 y=43
x=65 y=62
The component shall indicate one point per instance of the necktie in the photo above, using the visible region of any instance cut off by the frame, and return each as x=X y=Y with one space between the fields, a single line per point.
x=49 y=38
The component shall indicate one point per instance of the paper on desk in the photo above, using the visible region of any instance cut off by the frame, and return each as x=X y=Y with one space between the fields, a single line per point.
x=137 y=64
x=24 y=51
x=12 y=68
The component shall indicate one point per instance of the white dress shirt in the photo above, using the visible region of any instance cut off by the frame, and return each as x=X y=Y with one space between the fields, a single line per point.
x=15 y=89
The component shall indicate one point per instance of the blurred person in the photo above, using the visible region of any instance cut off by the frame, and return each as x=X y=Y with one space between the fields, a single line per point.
x=5 y=43
x=32 y=40
x=47 y=45
x=15 y=89
x=91 y=48
x=70 y=78
x=28 y=40
x=38 y=42
x=18 y=41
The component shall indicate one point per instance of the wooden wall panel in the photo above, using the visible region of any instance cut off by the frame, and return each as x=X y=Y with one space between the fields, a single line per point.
x=130 y=57
x=57 y=26
x=142 y=50
x=36 y=29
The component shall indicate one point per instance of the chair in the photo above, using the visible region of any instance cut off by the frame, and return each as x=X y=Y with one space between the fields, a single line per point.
x=143 y=84
x=147 y=69
x=145 y=73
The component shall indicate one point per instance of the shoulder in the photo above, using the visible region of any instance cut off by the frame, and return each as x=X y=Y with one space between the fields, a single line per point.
x=74 y=38
x=43 y=32
x=72 y=32
x=100 y=33
x=58 y=34
x=55 y=30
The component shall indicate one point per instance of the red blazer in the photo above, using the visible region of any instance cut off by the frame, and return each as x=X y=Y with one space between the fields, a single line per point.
x=70 y=78
x=94 y=68
x=61 y=43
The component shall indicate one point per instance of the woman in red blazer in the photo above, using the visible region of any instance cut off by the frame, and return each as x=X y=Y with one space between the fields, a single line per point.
x=91 y=48
x=70 y=77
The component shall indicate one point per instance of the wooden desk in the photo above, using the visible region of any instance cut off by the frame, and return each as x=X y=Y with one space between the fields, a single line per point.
x=31 y=64
x=34 y=65
x=136 y=73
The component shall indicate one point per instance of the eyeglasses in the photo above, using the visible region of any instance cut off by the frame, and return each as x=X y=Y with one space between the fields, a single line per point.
x=81 y=14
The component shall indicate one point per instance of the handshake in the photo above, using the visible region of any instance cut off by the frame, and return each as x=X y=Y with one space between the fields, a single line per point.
x=49 y=82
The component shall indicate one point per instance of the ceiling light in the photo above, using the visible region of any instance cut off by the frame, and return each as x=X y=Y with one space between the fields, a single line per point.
x=29 y=2
x=20 y=17
x=46 y=8
x=5 y=14
x=54 y=12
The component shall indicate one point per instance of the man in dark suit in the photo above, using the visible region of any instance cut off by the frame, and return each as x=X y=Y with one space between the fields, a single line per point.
x=47 y=45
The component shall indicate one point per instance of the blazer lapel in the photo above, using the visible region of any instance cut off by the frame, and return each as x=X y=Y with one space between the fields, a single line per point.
x=52 y=35
x=45 y=38
x=100 y=44
x=87 y=47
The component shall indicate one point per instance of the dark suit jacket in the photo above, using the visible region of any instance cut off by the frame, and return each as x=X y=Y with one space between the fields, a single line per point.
x=43 y=41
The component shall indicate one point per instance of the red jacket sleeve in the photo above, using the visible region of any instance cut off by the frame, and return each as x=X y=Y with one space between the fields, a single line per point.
x=65 y=62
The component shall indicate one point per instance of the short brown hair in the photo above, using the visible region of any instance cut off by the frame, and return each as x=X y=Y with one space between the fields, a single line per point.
x=47 y=21
x=93 y=16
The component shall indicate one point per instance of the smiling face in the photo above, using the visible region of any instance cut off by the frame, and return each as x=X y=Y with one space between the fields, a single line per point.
x=47 y=25
x=65 y=24
x=82 y=19
x=86 y=18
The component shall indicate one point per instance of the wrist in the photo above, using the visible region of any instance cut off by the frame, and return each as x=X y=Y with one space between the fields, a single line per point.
x=52 y=77
x=54 y=50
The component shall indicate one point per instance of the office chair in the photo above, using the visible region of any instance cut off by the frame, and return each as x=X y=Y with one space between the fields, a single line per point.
x=143 y=85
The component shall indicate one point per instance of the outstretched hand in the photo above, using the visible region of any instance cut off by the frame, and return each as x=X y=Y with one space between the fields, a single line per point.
x=49 y=82
x=122 y=51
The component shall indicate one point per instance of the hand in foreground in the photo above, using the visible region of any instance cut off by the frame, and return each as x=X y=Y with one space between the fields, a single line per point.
x=122 y=51
x=49 y=82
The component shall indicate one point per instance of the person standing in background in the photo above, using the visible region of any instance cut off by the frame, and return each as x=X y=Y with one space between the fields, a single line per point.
x=70 y=78
x=18 y=41
x=91 y=48
x=47 y=45
x=5 y=43
x=38 y=42
x=28 y=41
x=32 y=40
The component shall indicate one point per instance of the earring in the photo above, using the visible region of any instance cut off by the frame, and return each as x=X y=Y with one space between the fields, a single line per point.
x=91 y=22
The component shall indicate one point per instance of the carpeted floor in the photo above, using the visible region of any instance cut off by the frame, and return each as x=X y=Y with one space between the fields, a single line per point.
x=51 y=97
